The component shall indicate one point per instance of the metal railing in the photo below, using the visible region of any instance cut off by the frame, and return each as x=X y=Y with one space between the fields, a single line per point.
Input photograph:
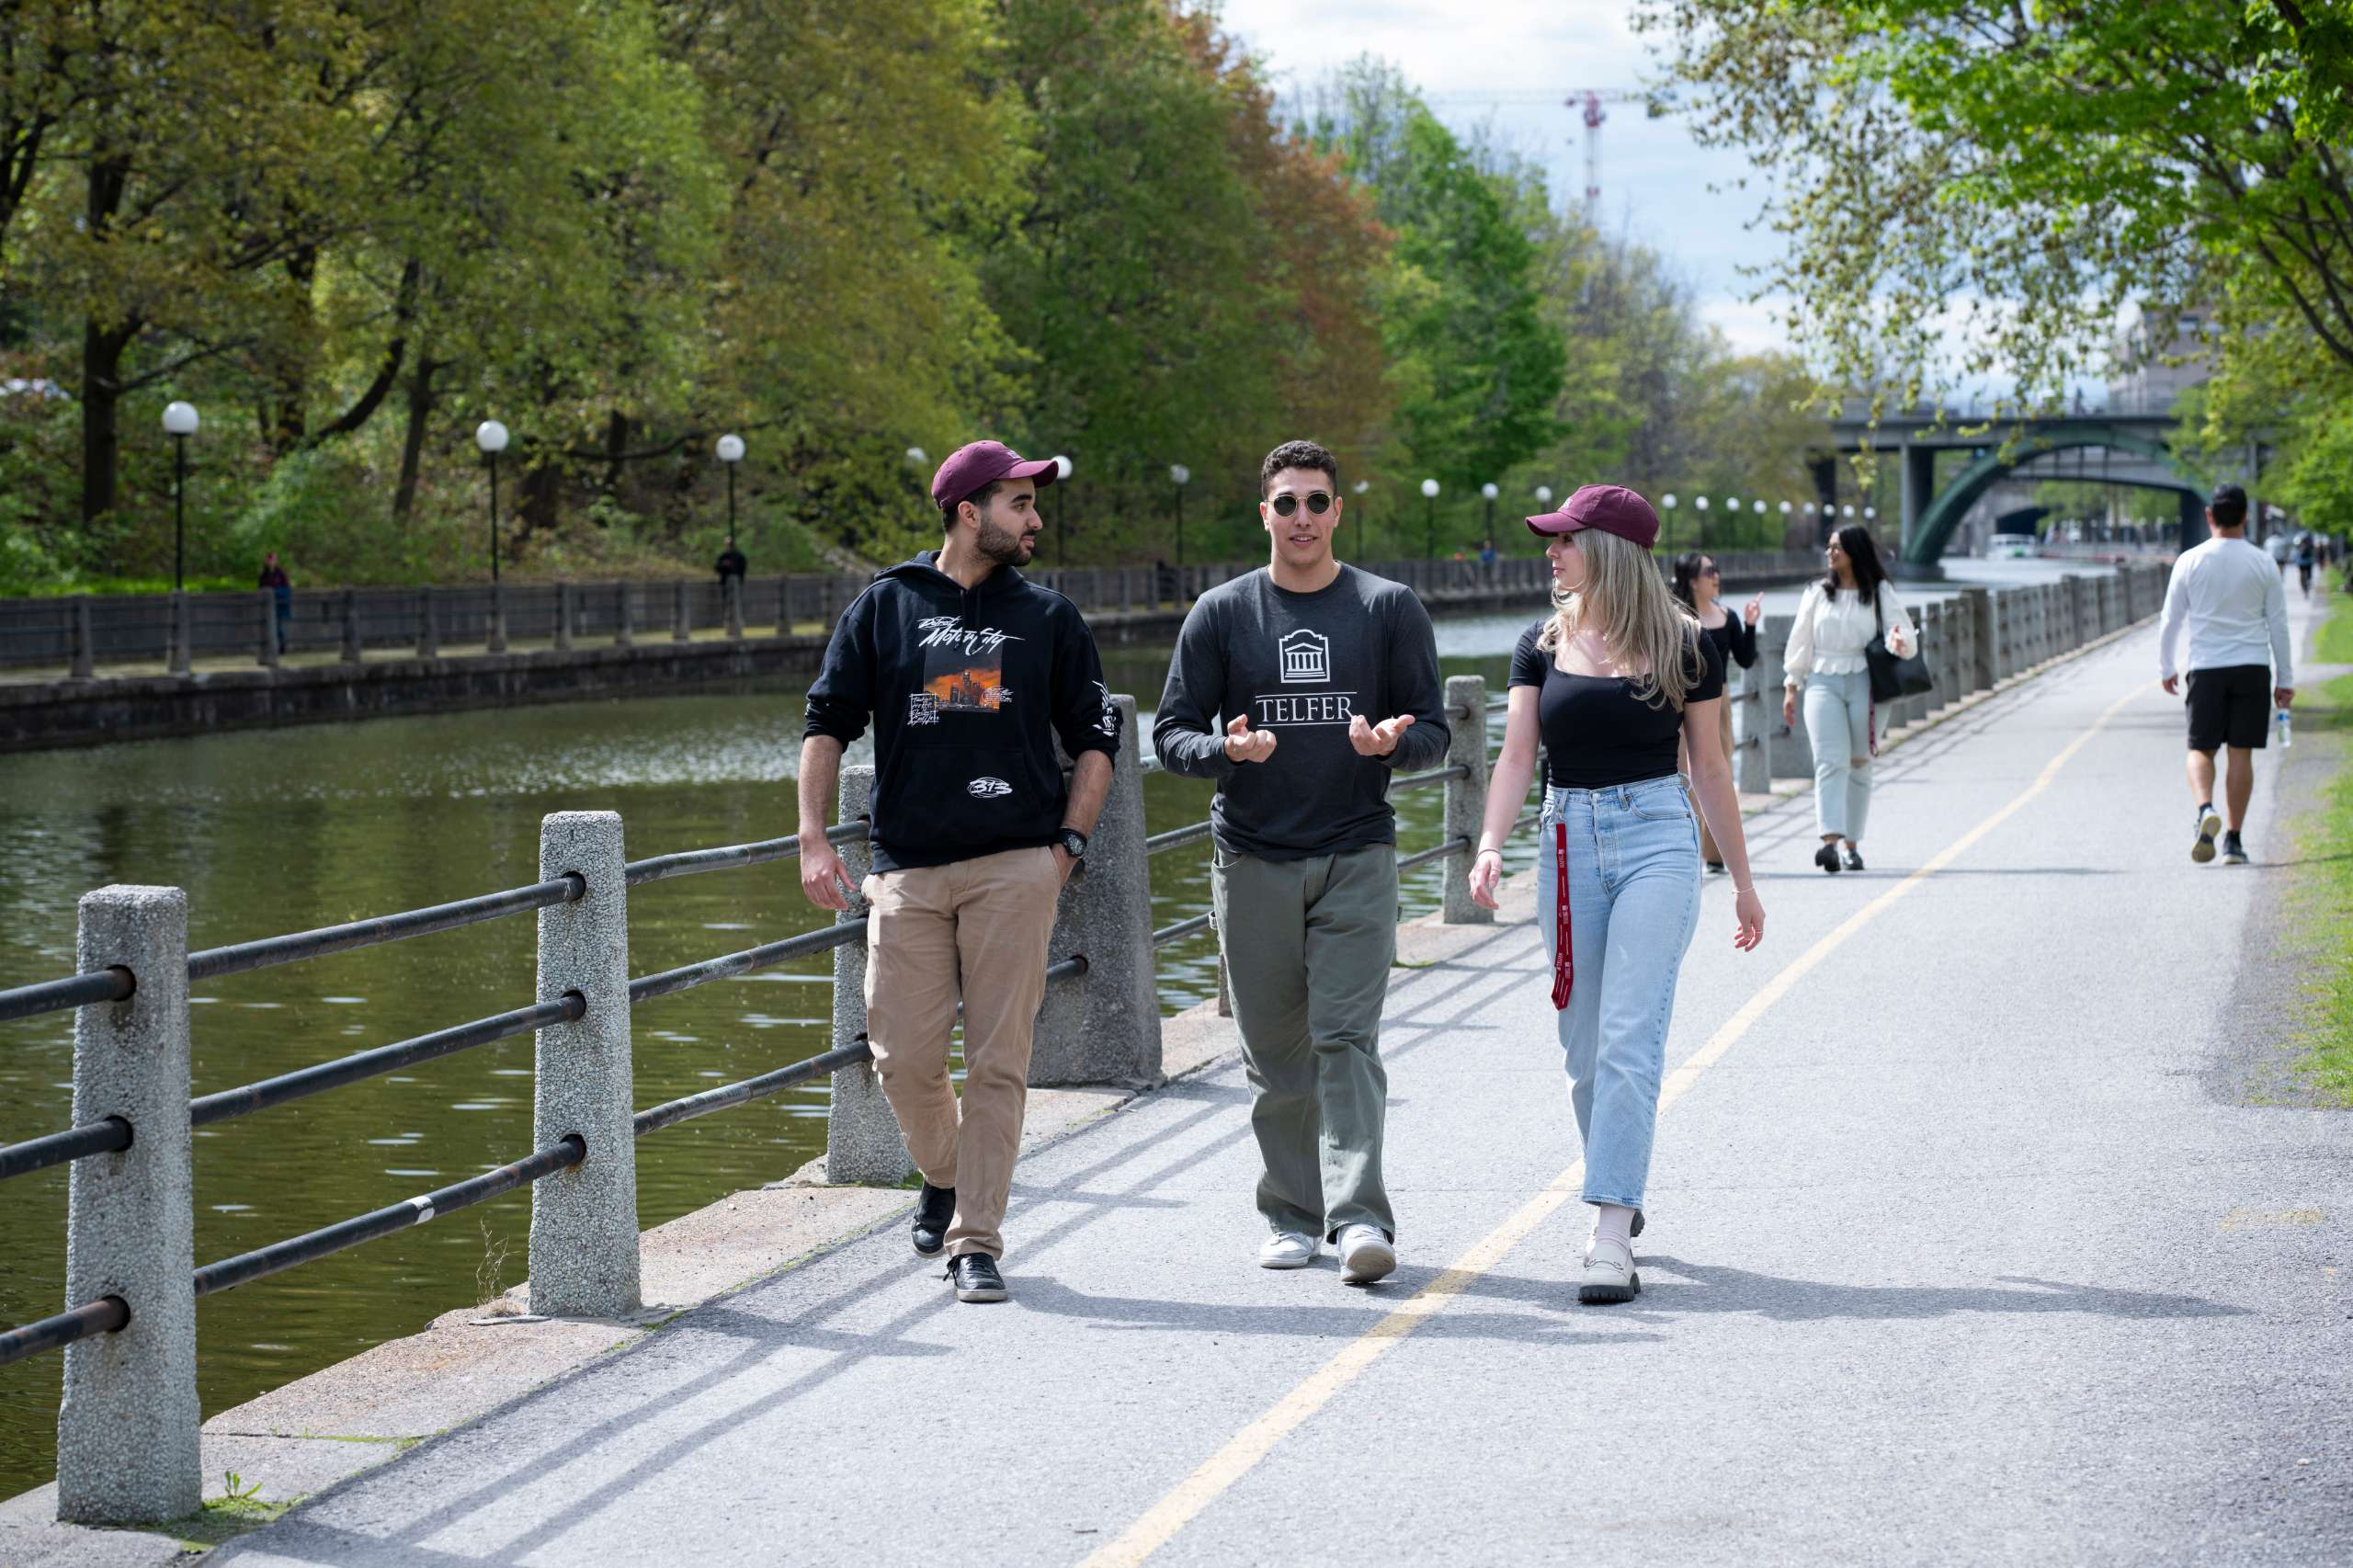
x=586 y=994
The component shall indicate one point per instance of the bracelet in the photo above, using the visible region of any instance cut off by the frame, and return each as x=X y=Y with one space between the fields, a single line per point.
x=1489 y=851
x=1750 y=887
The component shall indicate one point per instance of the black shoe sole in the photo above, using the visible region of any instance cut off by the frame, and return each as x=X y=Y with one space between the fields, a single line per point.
x=1828 y=862
x=1611 y=1295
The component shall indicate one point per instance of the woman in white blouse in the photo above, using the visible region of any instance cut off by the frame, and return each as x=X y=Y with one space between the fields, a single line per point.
x=1837 y=617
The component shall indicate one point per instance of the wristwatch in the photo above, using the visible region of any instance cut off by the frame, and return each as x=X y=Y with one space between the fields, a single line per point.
x=1072 y=842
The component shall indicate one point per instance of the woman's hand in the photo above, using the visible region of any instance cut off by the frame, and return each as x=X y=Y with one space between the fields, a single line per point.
x=1749 y=910
x=1486 y=870
x=1789 y=705
x=1753 y=611
x=1898 y=640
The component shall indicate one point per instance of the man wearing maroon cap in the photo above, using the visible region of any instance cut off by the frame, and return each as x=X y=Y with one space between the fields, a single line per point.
x=969 y=673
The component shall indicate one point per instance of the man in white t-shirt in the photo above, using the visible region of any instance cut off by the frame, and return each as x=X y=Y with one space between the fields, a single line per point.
x=2232 y=597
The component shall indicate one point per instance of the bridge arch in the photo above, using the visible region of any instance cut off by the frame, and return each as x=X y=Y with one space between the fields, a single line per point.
x=1944 y=512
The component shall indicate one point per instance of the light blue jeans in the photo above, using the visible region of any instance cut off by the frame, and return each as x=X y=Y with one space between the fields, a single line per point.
x=1838 y=723
x=1633 y=875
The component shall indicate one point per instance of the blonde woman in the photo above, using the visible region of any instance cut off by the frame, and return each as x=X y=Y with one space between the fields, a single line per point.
x=1835 y=622
x=1611 y=681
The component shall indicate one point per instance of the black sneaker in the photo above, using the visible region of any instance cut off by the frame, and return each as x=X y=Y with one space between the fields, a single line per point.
x=975 y=1278
x=2209 y=823
x=933 y=1209
x=1715 y=868
x=1854 y=858
x=1827 y=857
x=2233 y=852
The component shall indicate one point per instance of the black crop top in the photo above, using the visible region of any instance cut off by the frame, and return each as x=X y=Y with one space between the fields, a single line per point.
x=1735 y=640
x=1598 y=734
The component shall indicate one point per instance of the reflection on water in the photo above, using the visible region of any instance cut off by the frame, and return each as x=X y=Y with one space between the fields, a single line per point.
x=275 y=831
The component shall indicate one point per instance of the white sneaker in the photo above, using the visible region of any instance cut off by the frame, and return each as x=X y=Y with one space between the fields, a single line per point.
x=1608 y=1274
x=1289 y=1249
x=1365 y=1255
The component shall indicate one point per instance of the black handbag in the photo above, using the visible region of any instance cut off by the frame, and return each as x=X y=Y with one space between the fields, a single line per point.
x=1893 y=679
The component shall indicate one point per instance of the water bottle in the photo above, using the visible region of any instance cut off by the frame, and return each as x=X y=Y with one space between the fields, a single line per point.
x=2287 y=734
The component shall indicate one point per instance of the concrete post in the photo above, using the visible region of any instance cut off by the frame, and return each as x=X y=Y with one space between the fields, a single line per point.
x=784 y=604
x=623 y=635
x=265 y=651
x=863 y=1144
x=1788 y=752
x=682 y=632
x=496 y=640
x=1127 y=597
x=85 y=643
x=564 y=616
x=127 y=1444
x=429 y=624
x=176 y=659
x=1104 y=1027
x=351 y=626
x=731 y=590
x=1466 y=798
x=1977 y=608
x=1758 y=687
x=583 y=1220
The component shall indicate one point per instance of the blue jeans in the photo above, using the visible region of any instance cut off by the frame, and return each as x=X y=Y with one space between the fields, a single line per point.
x=1838 y=724
x=1633 y=875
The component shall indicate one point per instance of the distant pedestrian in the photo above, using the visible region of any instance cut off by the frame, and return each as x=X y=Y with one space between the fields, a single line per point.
x=2305 y=559
x=281 y=588
x=731 y=565
x=2236 y=608
x=2276 y=548
x=1700 y=584
x=1835 y=622
x=1302 y=689
x=969 y=673
x=1612 y=682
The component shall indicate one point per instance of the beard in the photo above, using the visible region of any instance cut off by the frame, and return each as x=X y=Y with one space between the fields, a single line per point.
x=1006 y=546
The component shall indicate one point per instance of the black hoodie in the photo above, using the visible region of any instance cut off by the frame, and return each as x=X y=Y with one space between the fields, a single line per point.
x=967 y=688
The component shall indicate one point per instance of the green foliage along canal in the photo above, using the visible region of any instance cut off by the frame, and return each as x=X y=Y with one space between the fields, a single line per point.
x=278 y=831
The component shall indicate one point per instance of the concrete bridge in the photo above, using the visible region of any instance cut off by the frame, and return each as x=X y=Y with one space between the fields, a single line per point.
x=1958 y=1251
x=1996 y=450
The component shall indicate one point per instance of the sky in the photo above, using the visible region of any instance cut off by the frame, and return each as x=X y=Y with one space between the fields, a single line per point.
x=1655 y=183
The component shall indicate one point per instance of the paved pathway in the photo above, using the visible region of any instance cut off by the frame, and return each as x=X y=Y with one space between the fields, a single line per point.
x=1952 y=1260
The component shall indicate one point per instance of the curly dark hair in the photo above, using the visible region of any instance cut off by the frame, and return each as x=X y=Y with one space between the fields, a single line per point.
x=1297 y=454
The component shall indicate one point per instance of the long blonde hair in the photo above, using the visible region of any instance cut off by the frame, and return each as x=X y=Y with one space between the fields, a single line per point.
x=1626 y=600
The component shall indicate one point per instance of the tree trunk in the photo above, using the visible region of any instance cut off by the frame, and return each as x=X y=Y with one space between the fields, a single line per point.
x=420 y=409
x=543 y=482
x=616 y=446
x=102 y=350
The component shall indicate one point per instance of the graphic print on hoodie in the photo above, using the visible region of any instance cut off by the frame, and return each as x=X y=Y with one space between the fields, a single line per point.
x=967 y=690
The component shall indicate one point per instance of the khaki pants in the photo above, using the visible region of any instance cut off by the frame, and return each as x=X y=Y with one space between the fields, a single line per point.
x=1708 y=850
x=1307 y=946
x=974 y=930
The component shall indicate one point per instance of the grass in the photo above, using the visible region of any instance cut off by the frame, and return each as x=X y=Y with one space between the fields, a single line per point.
x=2321 y=895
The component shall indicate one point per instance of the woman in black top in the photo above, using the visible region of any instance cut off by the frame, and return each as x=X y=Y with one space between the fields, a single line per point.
x=1614 y=680
x=1699 y=586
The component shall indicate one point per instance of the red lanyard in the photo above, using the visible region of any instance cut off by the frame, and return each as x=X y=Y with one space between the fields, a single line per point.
x=1564 y=963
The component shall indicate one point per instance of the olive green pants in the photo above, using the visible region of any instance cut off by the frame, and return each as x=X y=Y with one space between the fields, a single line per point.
x=1308 y=944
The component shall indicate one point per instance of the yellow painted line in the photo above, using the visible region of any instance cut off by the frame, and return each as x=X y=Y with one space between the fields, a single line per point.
x=1229 y=1464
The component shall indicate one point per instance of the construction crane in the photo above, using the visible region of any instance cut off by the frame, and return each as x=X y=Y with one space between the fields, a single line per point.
x=1588 y=101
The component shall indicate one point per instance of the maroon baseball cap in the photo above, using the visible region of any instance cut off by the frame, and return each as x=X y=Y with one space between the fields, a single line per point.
x=1612 y=508
x=969 y=467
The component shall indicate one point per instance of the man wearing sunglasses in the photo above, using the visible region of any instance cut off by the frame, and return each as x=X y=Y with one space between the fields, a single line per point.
x=1300 y=689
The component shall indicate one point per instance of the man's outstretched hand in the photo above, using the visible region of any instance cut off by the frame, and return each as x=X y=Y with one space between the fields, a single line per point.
x=823 y=875
x=1377 y=740
x=1244 y=743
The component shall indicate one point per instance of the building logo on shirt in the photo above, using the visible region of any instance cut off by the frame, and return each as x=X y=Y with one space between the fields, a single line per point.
x=1306 y=657
x=987 y=789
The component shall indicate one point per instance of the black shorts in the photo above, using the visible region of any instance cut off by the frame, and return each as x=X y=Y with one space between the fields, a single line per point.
x=2230 y=706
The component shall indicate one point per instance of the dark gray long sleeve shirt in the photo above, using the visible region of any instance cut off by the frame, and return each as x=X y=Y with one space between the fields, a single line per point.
x=1302 y=665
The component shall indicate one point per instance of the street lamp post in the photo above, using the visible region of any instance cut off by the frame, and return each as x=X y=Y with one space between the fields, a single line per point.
x=179 y=422
x=730 y=452
x=1488 y=490
x=1061 y=519
x=491 y=437
x=1362 y=486
x=1180 y=476
x=1429 y=499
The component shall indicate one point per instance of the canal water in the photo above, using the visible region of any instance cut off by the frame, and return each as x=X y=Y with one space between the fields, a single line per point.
x=285 y=830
